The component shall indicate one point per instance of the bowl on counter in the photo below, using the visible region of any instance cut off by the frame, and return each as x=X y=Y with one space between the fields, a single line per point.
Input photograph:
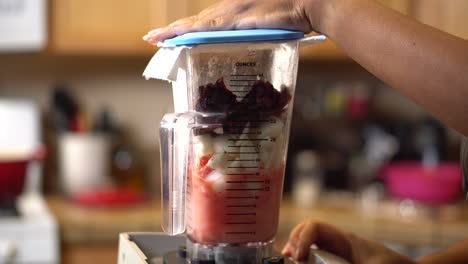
x=435 y=185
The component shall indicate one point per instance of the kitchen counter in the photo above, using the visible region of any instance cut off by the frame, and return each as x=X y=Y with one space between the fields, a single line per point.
x=88 y=230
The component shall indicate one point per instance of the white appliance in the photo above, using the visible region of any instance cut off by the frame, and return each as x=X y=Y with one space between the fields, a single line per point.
x=30 y=235
x=23 y=25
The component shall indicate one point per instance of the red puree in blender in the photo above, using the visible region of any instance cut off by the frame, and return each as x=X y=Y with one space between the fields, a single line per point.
x=231 y=202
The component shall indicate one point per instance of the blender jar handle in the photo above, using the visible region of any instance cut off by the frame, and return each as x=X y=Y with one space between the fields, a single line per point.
x=174 y=143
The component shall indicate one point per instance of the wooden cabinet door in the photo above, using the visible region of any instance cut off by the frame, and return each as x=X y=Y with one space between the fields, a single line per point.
x=108 y=27
x=196 y=6
x=450 y=16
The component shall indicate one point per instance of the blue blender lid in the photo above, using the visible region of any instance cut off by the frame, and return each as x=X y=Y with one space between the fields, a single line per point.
x=230 y=36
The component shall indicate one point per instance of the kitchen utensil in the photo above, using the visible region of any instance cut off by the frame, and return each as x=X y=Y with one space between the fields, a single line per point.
x=64 y=109
x=84 y=162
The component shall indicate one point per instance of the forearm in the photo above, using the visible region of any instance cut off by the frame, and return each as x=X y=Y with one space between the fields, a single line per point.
x=426 y=64
x=455 y=255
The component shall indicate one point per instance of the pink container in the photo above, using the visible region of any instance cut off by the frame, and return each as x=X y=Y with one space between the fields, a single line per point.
x=411 y=180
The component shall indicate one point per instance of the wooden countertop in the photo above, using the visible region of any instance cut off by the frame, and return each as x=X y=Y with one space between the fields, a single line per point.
x=389 y=221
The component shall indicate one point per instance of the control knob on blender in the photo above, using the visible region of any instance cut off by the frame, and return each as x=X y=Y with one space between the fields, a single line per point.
x=274 y=260
x=182 y=252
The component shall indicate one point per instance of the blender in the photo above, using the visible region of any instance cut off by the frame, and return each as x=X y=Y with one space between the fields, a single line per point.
x=223 y=151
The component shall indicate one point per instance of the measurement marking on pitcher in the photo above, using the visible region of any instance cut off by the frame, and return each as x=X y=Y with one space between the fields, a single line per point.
x=243 y=167
x=243 y=133
x=231 y=126
x=239 y=233
x=242 y=152
x=241 y=197
x=251 y=75
x=256 y=146
x=253 y=121
x=246 y=181
x=248 y=139
x=241 y=223
x=245 y=189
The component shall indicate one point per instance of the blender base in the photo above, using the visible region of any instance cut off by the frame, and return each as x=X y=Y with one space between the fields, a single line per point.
x=159 y=248
x=231 y=253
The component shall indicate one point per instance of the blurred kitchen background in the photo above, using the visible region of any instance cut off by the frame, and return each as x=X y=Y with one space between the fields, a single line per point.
x=74 y=67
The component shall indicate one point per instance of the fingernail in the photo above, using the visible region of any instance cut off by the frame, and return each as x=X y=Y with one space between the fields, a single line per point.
x=153 y=34
x=151 y=37
x=145 y=37
x=284 y=251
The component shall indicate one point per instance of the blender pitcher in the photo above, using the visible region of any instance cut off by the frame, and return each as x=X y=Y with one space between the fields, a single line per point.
x=223 y=152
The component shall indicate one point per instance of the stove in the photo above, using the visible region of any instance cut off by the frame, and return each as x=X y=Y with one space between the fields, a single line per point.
x=29 y=232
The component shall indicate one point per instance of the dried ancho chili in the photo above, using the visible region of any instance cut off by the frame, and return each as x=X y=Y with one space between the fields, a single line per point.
x=261 y=101
x=215 y=98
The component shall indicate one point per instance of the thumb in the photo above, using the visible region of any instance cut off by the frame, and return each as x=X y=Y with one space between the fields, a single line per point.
x=324 y=236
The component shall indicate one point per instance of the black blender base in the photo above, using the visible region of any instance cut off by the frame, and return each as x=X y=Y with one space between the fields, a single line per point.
x=177 y=258
x=158 y=248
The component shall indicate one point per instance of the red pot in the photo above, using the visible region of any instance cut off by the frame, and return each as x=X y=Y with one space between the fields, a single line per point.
x=13 y=173
x=12 y=176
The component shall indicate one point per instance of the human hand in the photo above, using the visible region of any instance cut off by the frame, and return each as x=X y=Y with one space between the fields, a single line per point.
x=242 y=14
x=350 y=247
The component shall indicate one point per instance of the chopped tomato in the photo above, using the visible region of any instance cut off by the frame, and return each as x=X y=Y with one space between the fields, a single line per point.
x=204 y=171
x=204 y=160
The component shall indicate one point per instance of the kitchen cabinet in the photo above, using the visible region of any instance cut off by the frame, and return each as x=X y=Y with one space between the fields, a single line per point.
x=195 y=7
x=449 y=16
x=108 y=27
x=115 y=27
